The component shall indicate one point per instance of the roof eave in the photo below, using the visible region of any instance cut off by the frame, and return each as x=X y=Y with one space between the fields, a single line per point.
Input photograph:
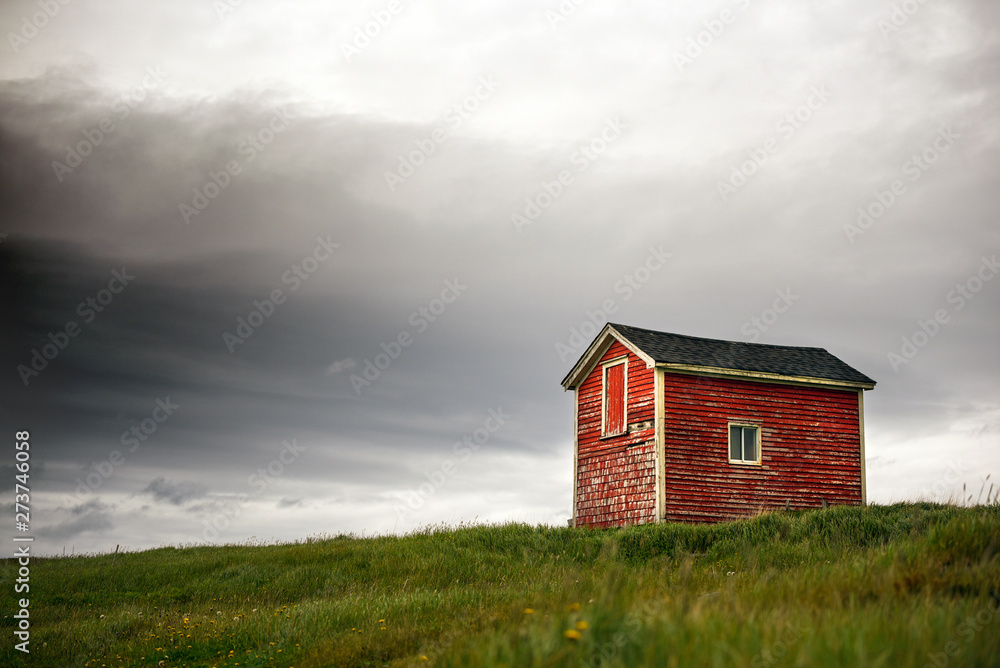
x=762 y=376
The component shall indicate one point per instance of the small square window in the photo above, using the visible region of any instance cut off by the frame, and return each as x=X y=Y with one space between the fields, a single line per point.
x=744 y=444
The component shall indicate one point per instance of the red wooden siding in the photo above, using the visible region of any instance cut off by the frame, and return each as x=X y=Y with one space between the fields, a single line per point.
x=616 y=476
x=809 y=440
x=614 y=403
x=617 y=487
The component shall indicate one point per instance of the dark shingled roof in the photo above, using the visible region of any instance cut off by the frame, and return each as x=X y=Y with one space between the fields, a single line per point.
x=785 y=360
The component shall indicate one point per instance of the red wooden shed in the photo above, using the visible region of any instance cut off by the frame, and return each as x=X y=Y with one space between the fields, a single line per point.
x=682 y=428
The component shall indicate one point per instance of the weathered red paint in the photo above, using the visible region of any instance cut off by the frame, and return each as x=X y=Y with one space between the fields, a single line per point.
x=809 y=440
x=616 y=475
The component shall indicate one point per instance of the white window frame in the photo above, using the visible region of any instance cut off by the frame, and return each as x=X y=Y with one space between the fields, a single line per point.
x=623 y=360
x=729 y=445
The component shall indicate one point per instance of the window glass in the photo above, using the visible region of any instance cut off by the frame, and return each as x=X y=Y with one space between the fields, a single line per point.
x=734 y=442
x=749 y=444
x=744 y=443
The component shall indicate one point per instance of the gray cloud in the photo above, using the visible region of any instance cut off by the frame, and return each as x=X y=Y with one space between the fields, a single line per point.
x=177 y=493
x=92 y=517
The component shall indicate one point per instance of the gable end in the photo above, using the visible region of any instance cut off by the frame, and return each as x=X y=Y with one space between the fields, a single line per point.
x=593 y=354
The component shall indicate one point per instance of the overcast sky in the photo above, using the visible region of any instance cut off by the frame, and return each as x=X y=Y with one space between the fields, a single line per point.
x=287 y=269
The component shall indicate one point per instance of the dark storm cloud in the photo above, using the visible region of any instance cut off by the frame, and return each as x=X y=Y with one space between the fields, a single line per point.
x=8 y=473
x=177 y=493
x=162 y=336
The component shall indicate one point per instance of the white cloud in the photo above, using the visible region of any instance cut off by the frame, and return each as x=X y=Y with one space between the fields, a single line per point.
x=340 y=366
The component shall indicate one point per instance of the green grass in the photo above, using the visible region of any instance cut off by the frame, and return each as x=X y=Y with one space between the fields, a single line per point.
x=901 y=585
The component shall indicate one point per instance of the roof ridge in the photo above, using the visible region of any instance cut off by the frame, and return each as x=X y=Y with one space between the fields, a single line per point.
x=705 y=338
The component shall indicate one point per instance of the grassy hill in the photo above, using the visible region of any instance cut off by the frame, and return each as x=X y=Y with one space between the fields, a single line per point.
x=903 y=585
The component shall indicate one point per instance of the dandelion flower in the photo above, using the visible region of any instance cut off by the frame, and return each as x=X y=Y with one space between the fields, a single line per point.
x=572 y=634
x=582 y=625
x=529 y=611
